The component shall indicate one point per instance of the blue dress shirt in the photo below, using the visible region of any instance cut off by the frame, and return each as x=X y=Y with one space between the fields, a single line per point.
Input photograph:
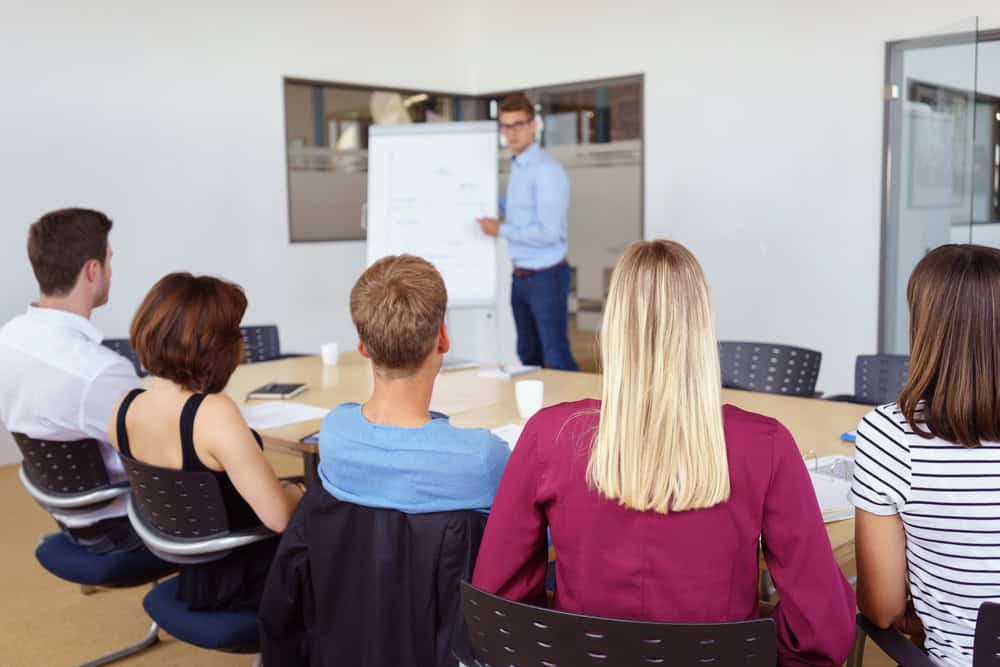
x=535 y=210
x=432 y=468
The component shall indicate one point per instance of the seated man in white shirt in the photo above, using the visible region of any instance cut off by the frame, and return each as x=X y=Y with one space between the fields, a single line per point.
x=57 y=382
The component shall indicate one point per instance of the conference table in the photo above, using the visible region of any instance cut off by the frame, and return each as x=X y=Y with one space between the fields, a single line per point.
x=472 y=400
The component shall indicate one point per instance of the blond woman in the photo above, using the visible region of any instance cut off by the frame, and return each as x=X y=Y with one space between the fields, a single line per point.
x=658 y=497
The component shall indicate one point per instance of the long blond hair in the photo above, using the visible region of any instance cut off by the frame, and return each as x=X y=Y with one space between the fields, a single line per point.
x=660 y=443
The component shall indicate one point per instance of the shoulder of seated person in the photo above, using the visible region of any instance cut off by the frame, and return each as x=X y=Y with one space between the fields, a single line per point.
x=738 y=417
x=568 y=409
x=747 y=431
x=556 y=418
x=219 y=406
x=878 y=417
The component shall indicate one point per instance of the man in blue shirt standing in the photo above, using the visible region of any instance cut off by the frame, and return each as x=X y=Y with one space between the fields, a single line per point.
x=535 y=227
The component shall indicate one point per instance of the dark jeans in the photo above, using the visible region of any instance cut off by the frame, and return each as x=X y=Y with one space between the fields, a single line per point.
x=107 y=536
x=540 y=303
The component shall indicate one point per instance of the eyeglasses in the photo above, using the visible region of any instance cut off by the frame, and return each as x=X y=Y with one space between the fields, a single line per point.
x=516 y=125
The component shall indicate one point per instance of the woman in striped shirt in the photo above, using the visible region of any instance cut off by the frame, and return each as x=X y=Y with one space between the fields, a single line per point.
x=927 y=468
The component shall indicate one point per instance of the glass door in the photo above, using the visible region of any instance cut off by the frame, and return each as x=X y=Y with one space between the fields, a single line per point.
x=929 y=162
x=985 y=205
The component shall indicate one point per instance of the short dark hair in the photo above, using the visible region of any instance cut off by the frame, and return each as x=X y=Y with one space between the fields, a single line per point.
x=187 y=330
x=61 y=242
x=398 y=306
x=518 y=102
x=953 y=388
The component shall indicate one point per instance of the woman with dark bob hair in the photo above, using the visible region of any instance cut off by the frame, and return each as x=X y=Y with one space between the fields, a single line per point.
x=927 y=467
x=187 y=335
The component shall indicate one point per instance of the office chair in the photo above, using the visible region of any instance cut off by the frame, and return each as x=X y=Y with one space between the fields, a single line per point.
x=70 y=478
x=180 y=516
x=769 y=368
x=512 y=634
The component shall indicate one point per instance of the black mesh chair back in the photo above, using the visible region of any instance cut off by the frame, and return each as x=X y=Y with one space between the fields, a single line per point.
x=122 y=347
x=986 y=649
x=769 y=368
x=63 y=469
x=878 y=378
x=512 y=634
x=177 y=504
x=261 y=343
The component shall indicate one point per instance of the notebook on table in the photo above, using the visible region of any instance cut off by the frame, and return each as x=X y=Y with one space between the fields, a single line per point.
x=273 y=390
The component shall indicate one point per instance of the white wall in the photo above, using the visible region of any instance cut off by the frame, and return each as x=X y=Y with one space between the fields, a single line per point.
x=763 y=128
x=169 y=118
x=763 y=131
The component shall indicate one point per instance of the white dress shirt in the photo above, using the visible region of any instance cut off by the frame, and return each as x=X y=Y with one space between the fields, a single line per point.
x=57 y=382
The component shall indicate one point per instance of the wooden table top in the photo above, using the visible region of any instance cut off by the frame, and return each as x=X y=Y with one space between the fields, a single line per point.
x=816 y=424
x=483 y=402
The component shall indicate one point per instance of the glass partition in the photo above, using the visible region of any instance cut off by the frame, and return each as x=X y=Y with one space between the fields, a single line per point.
x=326 y=140
x=930 y=161
x=985 y=228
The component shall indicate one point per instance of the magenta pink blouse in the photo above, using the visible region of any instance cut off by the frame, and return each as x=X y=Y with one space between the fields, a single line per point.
x=694 y=566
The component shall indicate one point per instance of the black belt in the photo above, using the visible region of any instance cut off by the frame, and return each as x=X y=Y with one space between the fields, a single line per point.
x=524 y=273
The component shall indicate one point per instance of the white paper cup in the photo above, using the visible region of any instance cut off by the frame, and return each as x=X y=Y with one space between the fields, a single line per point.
x=529 y=395
x=330 y=353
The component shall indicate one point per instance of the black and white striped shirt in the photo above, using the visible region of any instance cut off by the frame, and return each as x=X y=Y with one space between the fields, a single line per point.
x=948 y=498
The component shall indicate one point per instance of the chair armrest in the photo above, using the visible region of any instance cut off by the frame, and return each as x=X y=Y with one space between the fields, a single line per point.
x=895 y=645
x=76 y=501
x=187 y=549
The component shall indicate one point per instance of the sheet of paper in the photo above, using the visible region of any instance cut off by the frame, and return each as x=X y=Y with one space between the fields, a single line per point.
x=455 y=393
x=507 y=371
x=509 y=433
x=280 y=413
x=457 y=364
x=832 y=493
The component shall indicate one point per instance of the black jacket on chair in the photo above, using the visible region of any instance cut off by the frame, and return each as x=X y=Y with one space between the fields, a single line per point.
x=355 y=586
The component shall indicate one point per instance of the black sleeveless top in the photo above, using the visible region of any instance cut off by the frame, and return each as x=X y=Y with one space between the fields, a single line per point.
x=239 y=514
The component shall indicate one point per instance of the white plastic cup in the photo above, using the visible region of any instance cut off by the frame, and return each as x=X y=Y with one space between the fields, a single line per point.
x=330 y=353
x=529 y=395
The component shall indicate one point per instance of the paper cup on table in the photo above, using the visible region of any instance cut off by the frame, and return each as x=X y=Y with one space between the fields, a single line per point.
x=529 y=394
x=330 y=353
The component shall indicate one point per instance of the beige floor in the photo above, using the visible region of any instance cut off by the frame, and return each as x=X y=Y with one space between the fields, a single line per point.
x=46 y=621
x=583 y=345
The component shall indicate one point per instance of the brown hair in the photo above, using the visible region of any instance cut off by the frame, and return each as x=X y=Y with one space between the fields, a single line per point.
x=517 y=102
x=398 y=307
x=187 y=330
x=953 y=390
x=61 y=242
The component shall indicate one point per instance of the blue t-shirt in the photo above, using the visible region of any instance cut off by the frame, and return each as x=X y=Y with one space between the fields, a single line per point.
x=432 y=468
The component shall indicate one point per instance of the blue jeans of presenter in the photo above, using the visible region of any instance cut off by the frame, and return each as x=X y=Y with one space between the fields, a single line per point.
x=539 y=300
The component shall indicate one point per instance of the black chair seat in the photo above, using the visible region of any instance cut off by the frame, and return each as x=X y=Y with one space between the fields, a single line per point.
x=230 y=631
x=73 y=563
